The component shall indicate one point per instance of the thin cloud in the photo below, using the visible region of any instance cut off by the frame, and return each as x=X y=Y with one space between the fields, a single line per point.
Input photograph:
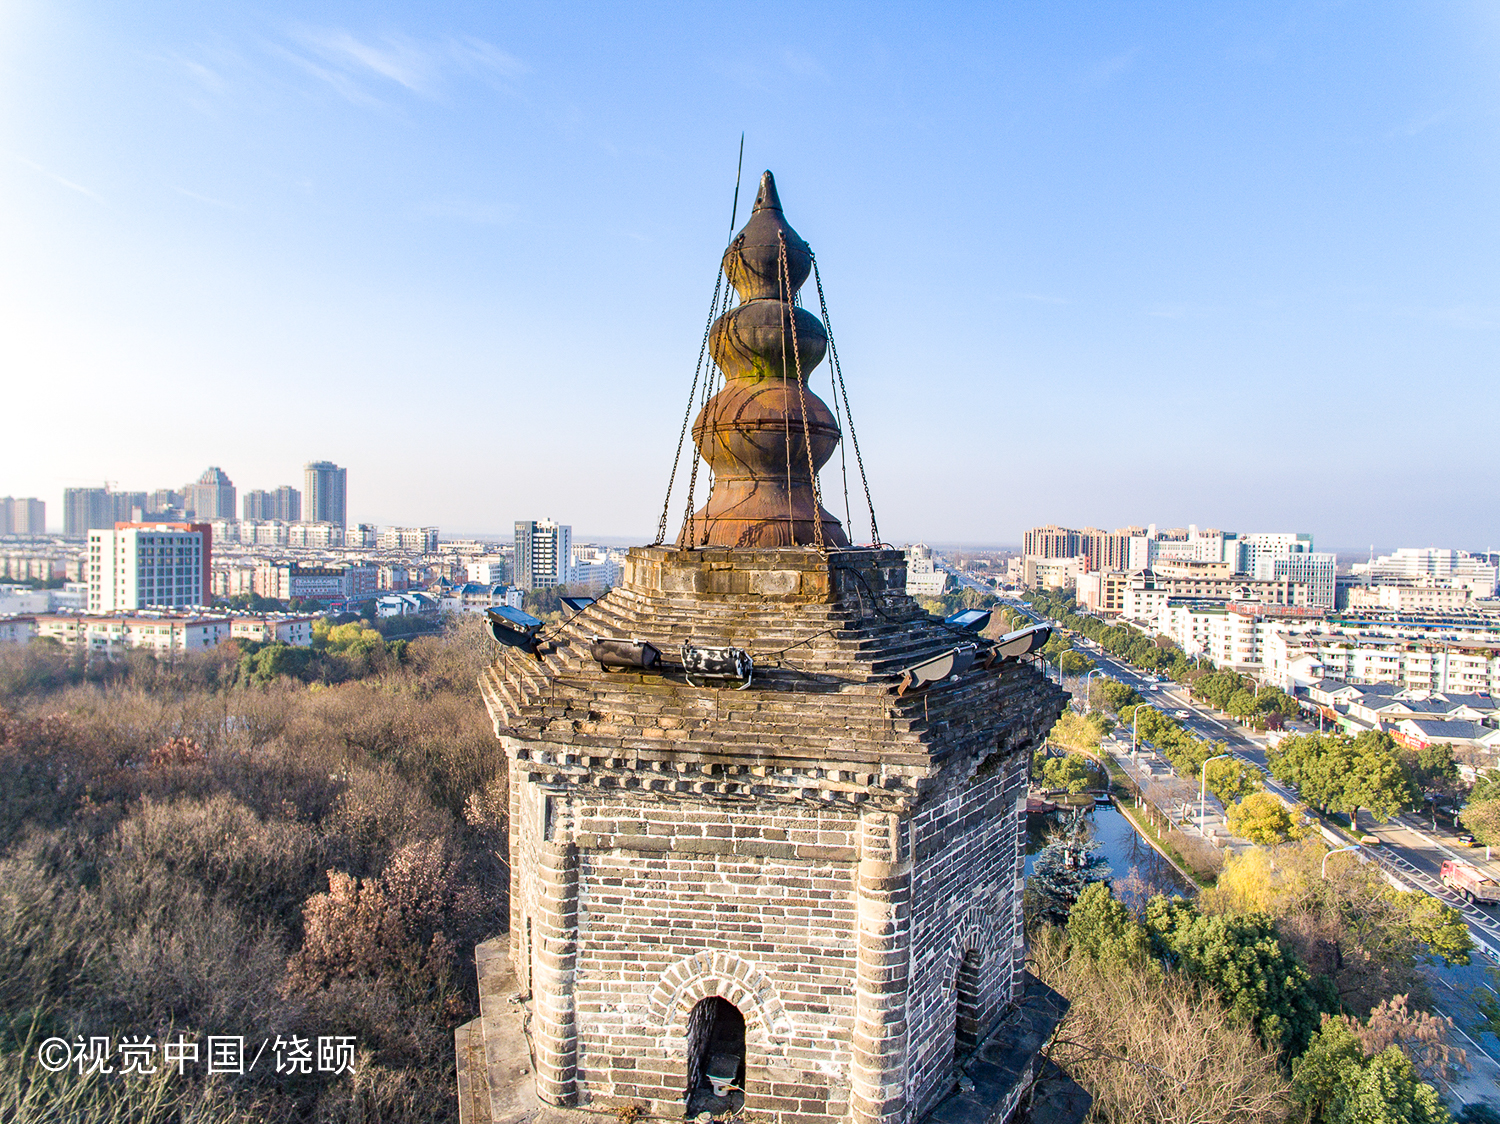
x=204 y=198
x=1039 y=298
x=350 y=63
x=54 y=177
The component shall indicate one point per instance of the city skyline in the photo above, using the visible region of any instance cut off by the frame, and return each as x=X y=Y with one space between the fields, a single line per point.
x=1191 y=262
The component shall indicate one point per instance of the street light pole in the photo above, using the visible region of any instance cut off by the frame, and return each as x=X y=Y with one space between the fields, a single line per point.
x=1203 y=789
x=1135 y=724
x=1088 y=702
x=1330 y=854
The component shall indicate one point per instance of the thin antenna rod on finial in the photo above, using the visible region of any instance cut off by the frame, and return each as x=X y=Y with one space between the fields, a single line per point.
x=740 y=167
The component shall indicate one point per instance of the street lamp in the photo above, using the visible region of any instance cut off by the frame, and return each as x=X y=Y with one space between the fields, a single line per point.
x=1203 y=789
x=1088 y=702
x=1135 y=724
x=1335 y=851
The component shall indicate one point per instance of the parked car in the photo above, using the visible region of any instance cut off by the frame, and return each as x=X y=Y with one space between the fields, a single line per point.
x=1465 y=839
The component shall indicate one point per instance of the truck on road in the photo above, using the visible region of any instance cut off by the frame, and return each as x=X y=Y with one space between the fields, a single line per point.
x=1468 y=880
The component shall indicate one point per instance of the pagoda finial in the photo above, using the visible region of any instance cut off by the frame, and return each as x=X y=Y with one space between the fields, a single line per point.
x=756 y=432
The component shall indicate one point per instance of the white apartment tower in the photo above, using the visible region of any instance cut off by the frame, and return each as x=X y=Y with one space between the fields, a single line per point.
x=149 y=566
x=544 y=553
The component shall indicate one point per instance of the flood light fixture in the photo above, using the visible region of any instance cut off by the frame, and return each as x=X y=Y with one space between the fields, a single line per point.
x=617 y=655
x=971 y=620
x=1022 y=642
x=513 y=628
x=578 y=604
x=953 y=662
x=724 y=664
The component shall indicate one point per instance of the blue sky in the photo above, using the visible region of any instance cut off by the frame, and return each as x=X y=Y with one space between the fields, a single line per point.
x=1093 y=263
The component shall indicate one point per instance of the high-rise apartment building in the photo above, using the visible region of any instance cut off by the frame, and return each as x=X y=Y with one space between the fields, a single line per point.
x=544 y=553
x=285 y=504
x=325 y=492
x=288 y=504
x=91 y=509
x=22 y=516
x=168 y=499
x=212 y=497
x=149 y=565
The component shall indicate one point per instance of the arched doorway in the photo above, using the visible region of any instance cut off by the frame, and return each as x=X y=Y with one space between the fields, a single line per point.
x=966 y=1007
x=715 y=1057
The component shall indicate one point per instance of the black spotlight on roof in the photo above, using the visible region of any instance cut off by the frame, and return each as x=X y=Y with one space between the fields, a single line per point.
x=1022 y=642
x=578 y=604
x=955 y=661
x=617 y=655
x=724 y=664
x=513 y=628
x=972 y=620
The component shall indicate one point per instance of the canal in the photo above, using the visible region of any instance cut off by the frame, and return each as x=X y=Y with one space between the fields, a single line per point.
x=1118 y=842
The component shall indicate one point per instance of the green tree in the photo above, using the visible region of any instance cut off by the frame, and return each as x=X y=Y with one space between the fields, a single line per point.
x=1231 y=779
x=1483 y=820
x=1073 y=662
x=1241 y=957
x=1103 y=929
x=1486 y=787
x=1262 y=819
x=1275 y=700
x=1241 y=705
x=1337 y=1084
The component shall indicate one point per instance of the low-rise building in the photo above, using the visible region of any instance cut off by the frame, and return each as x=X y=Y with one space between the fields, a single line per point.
x=407 y=604
x=281 y=628
x=411 y=540
x=17 y=629
x=474 y=597
x=111 y=633
x=923 y=578
x=1051 y=573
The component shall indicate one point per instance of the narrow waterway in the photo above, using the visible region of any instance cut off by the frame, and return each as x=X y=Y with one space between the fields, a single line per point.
x=1127 y=852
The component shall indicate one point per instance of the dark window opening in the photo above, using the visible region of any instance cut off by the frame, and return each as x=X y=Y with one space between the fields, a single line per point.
x=966 y=1013
x=715 y=1057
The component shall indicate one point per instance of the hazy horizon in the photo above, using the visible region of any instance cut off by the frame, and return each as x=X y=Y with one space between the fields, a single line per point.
x=1086 y=264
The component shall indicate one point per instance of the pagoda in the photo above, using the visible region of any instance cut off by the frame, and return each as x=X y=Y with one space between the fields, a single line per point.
x=767 y=815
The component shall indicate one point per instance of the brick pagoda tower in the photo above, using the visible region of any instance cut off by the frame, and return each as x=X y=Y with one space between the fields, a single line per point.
x=800 y=894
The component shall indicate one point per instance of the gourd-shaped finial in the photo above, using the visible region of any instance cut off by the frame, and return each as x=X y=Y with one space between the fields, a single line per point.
x=755 y=433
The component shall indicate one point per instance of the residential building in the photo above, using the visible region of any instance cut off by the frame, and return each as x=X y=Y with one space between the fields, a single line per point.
x=407 y=604
x=1102 y=591
x=285 y=504
x=1103 y=550
x=414 y=540
x=233 y=580
x=110 y=634
x=22 y=516
x=394 y=578
x=544 y=553
x=325 y=493
x=17 y=629
x=474 y=597
x=288 y=581
x=1406 y=595
x=211 y=497
x=141 y=565
x=1052 y=573
x=320 y=535
x=923 y=578
x=87 y=509
x=1295 y=658
x=488 y=570
x=595 y=567
x=1476 y=573
x=281 y=628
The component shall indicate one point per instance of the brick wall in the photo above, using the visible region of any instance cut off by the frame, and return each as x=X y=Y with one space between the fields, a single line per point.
x=968 y=850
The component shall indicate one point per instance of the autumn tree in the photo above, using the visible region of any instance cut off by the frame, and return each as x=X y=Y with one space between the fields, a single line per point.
x=1263 y=819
